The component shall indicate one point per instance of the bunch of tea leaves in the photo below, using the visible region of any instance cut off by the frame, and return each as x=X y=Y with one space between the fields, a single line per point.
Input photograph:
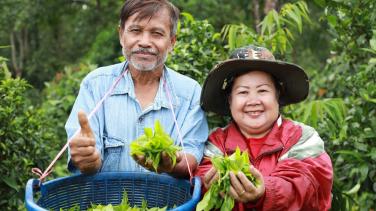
x=151 y=145
x=237 y=162
x=123 y=206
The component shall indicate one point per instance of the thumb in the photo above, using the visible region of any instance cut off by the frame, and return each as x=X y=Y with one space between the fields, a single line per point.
x=257 y=174
x=84 y=123
x=179 y=156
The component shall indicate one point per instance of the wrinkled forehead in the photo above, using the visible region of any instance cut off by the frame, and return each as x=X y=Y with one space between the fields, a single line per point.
x=147 y=13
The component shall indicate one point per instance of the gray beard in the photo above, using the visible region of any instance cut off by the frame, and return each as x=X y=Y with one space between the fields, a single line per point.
x=142 y=67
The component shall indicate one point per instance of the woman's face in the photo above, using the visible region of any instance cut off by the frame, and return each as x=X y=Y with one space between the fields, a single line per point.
x=254 y=103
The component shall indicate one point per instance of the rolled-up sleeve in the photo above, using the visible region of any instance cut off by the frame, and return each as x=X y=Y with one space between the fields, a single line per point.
x=195 y=127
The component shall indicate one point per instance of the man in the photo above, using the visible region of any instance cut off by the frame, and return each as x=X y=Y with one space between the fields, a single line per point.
x=147 y=91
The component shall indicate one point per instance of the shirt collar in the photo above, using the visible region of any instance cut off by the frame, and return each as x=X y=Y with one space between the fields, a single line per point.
x=126 y=86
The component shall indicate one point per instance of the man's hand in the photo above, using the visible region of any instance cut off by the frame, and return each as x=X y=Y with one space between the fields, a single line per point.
x=83 y=153
x=165 y=165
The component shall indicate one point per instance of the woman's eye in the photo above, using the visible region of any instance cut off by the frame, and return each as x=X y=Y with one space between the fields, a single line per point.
x=263 y=90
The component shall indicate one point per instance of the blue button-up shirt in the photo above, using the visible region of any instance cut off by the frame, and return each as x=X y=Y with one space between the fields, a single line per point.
x=121 y=120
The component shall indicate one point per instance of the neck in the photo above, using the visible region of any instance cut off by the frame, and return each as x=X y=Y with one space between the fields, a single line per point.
x=146 y=77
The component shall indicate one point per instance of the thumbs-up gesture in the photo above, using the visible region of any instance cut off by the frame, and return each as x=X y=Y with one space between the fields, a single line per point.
x=83 y=153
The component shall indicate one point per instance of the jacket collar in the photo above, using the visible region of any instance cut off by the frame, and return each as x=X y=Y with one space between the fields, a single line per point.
x=282 y=132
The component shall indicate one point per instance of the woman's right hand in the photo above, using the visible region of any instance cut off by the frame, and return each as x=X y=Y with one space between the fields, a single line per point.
x=210 y=177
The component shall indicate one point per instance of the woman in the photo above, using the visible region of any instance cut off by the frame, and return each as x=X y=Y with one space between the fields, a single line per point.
x=288 y=157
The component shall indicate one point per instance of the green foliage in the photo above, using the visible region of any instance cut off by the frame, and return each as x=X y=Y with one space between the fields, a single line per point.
x=235 y=163
x=105 y=50
x=49 y=35
x=276 y=29
x=326 y=115
x=239 y=35
x=348 y=124
x=58 y=98
x=23 y=141
x=4 y=72
x=60 y=94
x=123 y=206
x=197 y=50
x=151 y=145
x=350 y=74
x=214 y=10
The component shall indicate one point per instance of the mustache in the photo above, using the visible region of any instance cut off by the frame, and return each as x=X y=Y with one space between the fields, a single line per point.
x=145 y=50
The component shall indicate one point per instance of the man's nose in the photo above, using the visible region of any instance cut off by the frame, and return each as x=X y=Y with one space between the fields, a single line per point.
x=144 y=40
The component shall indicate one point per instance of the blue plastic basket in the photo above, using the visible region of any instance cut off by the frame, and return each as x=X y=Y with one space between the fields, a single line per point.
x=108 y=188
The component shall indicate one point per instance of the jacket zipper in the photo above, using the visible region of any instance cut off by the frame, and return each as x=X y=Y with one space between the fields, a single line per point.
x=253 y=161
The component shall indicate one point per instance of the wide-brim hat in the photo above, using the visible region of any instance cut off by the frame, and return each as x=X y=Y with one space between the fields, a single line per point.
x=292 y=79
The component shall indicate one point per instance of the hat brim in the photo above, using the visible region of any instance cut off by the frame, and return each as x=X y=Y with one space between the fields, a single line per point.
x=293 y=78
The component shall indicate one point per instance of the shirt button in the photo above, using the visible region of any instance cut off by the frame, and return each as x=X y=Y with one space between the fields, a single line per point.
x=140 y=119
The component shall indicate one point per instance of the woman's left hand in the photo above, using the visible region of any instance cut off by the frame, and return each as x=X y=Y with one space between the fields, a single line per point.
x=242 y=189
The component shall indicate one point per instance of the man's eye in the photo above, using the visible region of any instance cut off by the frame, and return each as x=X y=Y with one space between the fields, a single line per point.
x=134 y=30
x=157 y=34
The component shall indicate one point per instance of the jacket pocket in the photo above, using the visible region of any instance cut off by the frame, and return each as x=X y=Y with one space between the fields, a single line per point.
x=113 y=147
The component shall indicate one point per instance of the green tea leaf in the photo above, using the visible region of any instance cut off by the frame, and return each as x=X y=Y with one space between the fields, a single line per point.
x=238 y=161
x=152 y=144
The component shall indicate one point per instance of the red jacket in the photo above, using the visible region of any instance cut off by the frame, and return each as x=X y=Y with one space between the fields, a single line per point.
x=297 y=171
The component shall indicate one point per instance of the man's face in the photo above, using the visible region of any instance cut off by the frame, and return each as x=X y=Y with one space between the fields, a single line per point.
x=147 y=42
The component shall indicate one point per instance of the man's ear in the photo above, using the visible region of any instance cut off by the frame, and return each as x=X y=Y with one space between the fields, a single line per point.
x=173 y=41
x=120 y=32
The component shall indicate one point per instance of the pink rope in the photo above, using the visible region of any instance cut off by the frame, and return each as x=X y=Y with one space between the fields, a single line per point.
x=177 y=128
x=43 y=175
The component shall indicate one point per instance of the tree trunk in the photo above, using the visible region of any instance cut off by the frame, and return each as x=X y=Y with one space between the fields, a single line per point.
x=98 y=5
x=16 y=70
x=256 y=15
x=270 y=5
x=19 y=46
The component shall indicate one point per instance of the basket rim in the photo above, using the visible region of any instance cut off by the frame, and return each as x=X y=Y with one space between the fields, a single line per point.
x=32 y=185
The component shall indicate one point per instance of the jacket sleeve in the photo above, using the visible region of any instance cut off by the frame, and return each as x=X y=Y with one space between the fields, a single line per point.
x=302 y=179
x=214 y=146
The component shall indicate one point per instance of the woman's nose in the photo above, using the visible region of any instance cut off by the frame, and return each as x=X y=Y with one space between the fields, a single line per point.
x=253 y=99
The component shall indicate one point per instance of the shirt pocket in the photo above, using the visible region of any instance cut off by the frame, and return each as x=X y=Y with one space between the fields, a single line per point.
x=113 y=148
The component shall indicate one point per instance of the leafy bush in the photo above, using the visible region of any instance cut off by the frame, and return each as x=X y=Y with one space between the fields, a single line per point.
x=197 y=50
x=60 y=94
x=24 y=141
x=348 y=124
